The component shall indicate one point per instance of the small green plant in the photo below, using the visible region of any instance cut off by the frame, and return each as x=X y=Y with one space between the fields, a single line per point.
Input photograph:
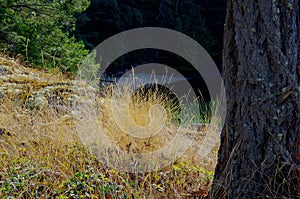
x=89 y=69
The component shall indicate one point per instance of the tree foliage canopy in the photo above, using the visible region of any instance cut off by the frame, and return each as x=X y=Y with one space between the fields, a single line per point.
x=105 y=18
x=39 y=30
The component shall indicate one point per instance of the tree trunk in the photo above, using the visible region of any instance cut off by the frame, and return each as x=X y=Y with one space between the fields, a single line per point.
x=259 y=156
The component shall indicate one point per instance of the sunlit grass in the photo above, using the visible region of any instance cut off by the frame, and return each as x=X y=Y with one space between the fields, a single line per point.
x=42 y=155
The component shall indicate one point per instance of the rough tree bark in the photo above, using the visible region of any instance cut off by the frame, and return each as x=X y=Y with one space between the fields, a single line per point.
x=259 y=156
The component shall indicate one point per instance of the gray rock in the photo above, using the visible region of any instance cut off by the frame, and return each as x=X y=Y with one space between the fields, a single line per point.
x=198 y=127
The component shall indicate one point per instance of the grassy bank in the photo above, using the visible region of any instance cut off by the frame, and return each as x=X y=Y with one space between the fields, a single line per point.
x=42 y=154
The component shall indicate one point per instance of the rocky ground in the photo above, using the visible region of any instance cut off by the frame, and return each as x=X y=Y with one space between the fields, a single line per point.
x=35 y=89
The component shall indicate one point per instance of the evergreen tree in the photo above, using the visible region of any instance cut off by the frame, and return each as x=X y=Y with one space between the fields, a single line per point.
x=39 y=30
x=105 y=18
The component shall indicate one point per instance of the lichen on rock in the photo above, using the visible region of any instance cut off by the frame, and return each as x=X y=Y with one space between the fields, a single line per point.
x=36 y=89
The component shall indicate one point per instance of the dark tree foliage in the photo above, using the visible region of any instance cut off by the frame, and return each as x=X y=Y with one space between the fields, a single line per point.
x=104 y=18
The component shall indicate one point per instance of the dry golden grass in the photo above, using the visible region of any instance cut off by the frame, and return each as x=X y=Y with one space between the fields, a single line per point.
x=42 y=154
